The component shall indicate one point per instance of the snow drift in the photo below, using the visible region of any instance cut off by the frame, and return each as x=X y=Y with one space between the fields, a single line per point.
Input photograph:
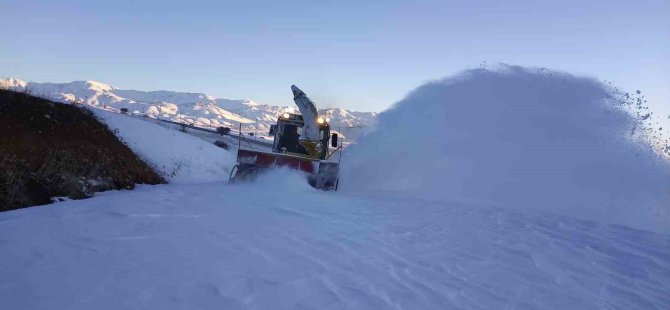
x=517 y=137
x=179 y=157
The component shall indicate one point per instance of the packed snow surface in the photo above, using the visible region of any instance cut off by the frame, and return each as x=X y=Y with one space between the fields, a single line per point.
x=215 y=246
x=520 y=138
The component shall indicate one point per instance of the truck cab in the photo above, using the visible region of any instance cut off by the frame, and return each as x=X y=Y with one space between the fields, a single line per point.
x=287 y=134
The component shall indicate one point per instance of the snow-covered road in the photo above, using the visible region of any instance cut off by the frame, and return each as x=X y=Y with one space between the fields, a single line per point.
x=215 y=246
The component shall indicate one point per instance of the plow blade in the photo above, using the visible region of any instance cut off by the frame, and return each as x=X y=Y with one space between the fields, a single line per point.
x=321 y=174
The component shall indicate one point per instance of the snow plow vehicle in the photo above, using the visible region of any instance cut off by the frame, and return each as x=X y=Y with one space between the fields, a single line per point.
x=301 y=142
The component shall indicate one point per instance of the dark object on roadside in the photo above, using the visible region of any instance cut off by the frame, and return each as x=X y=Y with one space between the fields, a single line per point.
x=224 y=131
x=124 y=110
x=222 y=144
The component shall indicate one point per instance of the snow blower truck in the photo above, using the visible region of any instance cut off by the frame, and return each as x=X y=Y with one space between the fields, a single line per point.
x=301 y=142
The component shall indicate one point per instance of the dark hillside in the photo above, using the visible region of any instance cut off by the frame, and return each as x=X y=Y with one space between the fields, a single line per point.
x=50 y=149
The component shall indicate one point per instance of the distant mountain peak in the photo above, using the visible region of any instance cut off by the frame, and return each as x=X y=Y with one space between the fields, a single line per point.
x=95 y=85
x=12 y=83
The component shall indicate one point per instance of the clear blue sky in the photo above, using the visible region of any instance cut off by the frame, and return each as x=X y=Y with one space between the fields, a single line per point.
x=363 y=55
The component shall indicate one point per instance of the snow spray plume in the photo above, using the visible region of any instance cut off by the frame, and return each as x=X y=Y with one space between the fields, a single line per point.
x=282 y=179
x=517 y=137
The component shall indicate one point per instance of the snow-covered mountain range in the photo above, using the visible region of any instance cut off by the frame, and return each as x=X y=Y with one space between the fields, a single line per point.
x=192 y=108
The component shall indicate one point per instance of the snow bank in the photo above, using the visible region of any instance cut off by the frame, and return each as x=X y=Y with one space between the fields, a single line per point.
x=178 y=156
x=516 y=137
